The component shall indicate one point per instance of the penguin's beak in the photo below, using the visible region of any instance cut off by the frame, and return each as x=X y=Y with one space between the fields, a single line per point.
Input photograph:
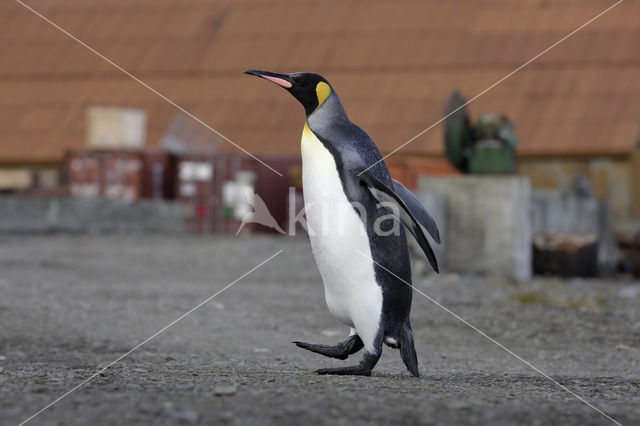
x=280 y=79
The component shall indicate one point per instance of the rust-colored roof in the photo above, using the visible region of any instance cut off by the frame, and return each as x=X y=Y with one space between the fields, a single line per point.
x=393 y=63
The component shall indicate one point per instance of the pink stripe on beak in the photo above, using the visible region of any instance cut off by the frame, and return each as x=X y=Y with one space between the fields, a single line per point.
x=278 y=81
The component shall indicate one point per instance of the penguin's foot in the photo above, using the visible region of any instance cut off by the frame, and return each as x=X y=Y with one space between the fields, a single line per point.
x=342 y=350
x=365 y=367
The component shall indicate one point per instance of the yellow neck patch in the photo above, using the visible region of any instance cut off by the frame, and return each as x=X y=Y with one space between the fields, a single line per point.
x=306 y=131
x=323 y=91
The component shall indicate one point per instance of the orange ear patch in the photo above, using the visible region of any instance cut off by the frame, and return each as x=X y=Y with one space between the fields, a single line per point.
x=323 y=90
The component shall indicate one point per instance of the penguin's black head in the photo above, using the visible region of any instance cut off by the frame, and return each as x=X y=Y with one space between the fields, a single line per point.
x=308 y=88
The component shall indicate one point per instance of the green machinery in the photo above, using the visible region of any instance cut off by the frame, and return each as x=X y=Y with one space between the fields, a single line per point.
x=488 y=147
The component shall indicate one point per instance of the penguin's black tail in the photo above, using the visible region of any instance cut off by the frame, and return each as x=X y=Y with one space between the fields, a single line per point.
x=407 y=351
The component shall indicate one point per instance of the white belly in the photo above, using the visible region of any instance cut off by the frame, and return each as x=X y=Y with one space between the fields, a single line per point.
x=338 y=239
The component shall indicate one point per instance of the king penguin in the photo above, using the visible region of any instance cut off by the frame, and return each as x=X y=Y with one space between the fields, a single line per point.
x=352 y=206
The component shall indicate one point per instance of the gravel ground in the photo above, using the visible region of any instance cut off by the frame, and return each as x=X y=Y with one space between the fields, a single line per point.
x=71 y=304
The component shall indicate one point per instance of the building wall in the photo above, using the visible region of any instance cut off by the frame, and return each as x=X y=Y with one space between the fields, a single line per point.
x=406 y=169
x=614 y=179
x=635 y=175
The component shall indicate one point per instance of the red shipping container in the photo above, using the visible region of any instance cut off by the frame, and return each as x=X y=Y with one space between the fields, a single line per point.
x=217 y=190
x=122 y=175
x=275 y=190
x=195 y=190
x=84 y=174
x=159 y=174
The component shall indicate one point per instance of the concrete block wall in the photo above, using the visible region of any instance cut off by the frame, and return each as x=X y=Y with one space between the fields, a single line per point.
x=28 y=215
x=436 y=205
x=488 y=223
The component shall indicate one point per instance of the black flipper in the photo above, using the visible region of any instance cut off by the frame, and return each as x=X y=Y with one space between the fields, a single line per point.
x=419 y=212
x=342 y=350
x=408 y=351
x=367 y=363
x=383 y=193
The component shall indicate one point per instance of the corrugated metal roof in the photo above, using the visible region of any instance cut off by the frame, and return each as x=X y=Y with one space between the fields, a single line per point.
x=394 y=64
